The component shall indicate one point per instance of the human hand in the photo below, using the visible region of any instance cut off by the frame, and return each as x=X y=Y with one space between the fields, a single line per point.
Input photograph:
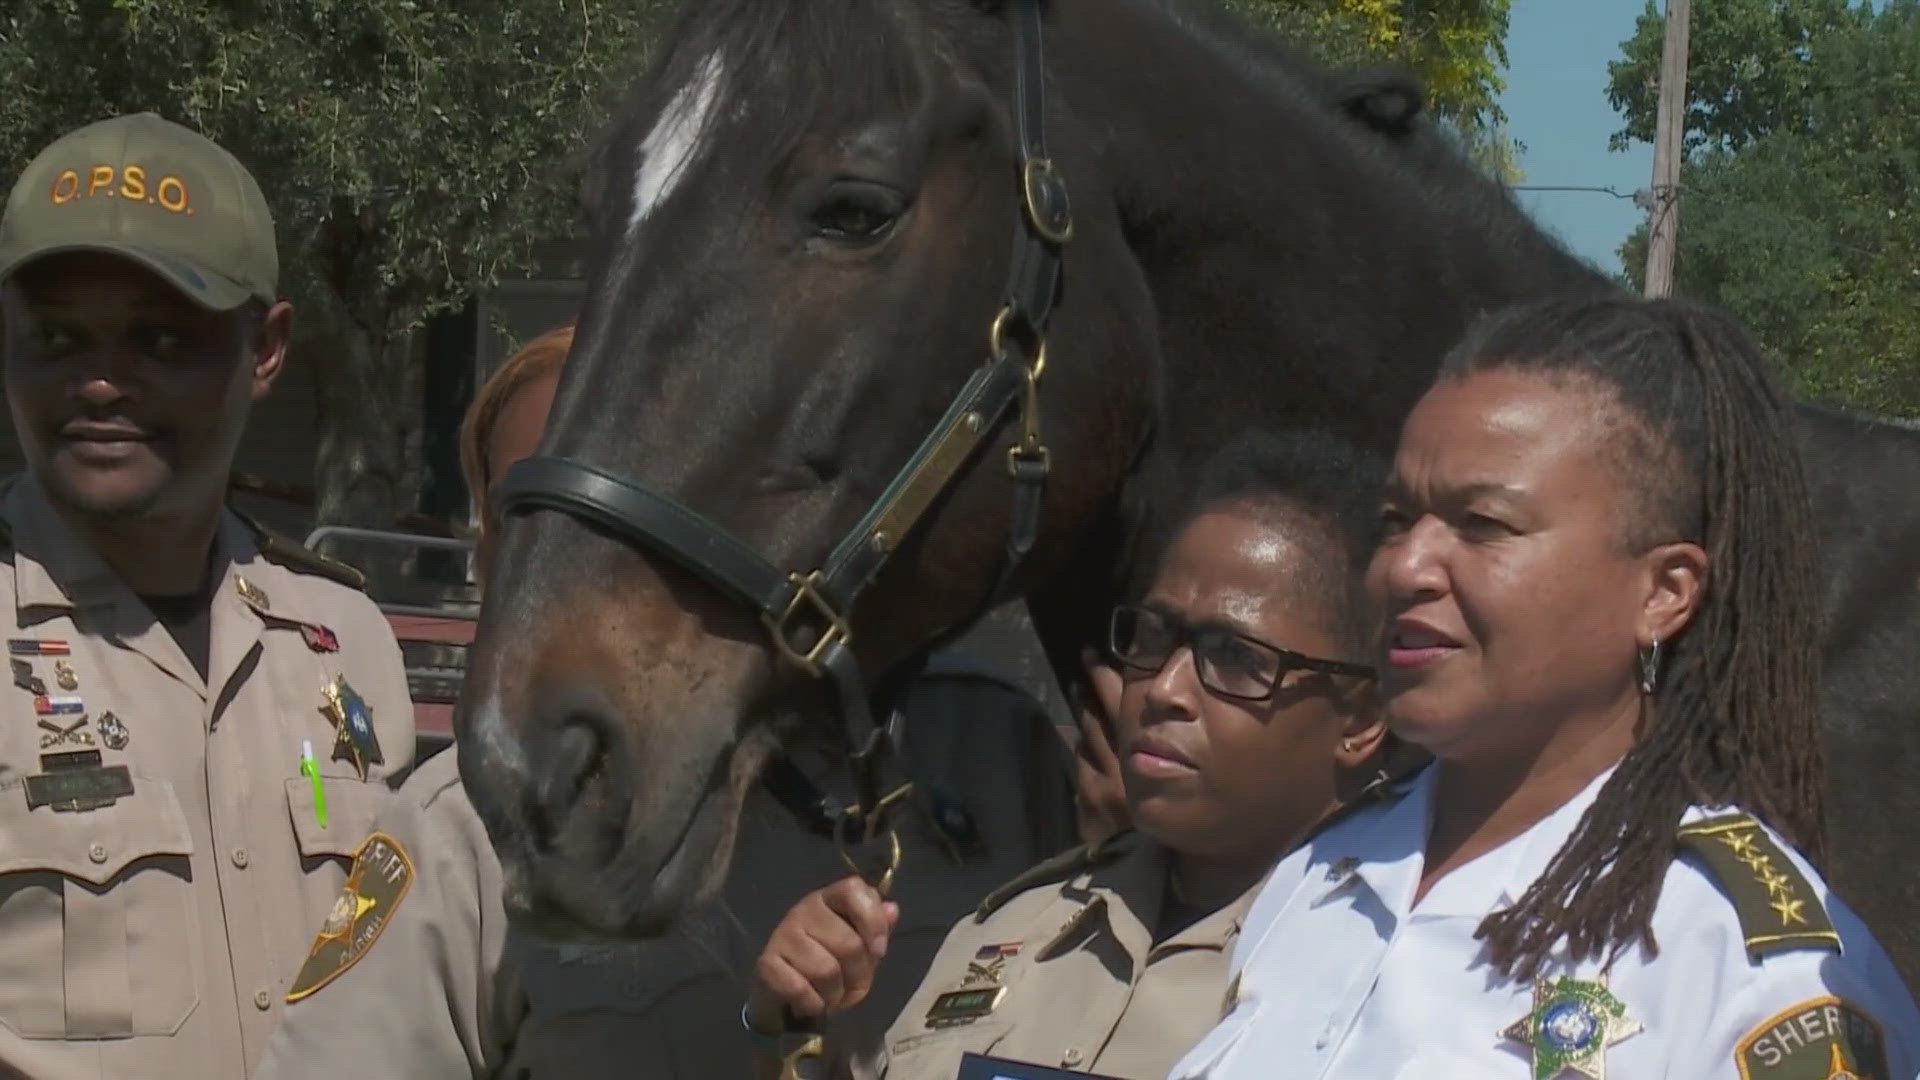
x=822 y=957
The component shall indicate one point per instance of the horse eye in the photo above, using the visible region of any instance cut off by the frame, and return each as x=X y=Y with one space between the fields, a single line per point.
x=857 y=213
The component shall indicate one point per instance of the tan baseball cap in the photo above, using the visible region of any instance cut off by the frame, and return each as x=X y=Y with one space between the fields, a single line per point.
x=154 y=192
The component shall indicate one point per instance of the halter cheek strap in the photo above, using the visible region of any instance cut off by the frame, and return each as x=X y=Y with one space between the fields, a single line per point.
x=806 y=614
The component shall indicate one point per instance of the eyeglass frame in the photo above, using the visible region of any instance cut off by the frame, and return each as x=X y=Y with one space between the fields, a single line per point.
x=1183 y=633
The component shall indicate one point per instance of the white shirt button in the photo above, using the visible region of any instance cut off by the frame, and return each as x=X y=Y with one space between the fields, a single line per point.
x=97 y=852
x=240 y=857
x=262 y=1000
x=1071 y=1057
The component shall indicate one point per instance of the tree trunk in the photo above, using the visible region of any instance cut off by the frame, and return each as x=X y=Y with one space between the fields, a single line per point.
x=367 y=466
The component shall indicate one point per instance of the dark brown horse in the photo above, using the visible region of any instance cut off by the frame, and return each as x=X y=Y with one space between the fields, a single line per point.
x=808 y=214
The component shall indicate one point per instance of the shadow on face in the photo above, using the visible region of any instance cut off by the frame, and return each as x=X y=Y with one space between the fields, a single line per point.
x=1211 y=773
x=1514 y=607
x=128 y=397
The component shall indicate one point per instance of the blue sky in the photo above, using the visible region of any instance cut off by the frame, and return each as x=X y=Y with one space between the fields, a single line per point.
x=1556 y=103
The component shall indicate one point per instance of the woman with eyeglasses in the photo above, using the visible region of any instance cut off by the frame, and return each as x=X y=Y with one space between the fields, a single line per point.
x=1243 y=721
x=1597 y=580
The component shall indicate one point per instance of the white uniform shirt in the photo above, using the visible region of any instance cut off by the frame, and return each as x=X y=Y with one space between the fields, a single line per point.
x=1340 y=976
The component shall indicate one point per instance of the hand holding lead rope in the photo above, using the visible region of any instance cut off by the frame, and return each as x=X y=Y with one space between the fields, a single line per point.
x=859 y=827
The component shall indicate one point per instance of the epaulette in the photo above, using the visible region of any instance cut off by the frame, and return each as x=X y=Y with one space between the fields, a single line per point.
x=298 y=558
x=1777 y=906
x=1058 y=868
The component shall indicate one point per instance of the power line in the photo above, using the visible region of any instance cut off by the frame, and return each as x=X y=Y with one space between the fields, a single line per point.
x=1615 y=192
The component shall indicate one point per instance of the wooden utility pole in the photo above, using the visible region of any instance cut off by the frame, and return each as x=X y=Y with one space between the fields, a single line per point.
x=1669 y=138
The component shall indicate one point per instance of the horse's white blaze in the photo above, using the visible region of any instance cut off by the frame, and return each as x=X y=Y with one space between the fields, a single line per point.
x=674 y=141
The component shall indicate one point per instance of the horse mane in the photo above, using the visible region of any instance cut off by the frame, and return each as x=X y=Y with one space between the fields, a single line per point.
x=777 y=51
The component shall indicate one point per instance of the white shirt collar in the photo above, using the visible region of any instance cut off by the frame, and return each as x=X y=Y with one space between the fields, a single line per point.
x=1385 y=853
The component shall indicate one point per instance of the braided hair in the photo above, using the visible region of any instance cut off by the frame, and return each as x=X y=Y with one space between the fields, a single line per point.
x=1708 y=454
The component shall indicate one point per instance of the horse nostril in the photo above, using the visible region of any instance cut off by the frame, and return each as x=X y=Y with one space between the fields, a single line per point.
x=572 y=757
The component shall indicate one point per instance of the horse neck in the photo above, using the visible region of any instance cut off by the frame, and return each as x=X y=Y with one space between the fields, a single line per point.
x=1305 y=270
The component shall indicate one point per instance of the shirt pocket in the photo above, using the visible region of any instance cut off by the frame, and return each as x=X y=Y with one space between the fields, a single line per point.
x=102 y=938
x=934 y=1054
x=352 y=808
x=327 y=851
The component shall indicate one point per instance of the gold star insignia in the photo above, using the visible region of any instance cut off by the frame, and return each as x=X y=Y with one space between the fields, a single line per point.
x=1777 y=883
x=1789 y=911
x=1740 y=842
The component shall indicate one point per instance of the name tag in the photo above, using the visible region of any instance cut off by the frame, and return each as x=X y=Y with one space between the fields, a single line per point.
x=981 y=1067
x=957 y=1007
x=77 y=782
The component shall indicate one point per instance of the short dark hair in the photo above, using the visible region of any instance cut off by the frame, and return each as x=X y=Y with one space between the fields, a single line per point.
x=1707 y=450
x=1307 y=480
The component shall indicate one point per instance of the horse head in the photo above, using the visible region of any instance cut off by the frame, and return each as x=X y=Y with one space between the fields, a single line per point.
x=807 y=215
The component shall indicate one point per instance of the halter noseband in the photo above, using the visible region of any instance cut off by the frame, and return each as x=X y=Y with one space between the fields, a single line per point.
x=806 y=614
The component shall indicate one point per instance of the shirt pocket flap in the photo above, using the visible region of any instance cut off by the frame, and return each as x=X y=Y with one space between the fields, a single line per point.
x=94 y=846
x=352 y=806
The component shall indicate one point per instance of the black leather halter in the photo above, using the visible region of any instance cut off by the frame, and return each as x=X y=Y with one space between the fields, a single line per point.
x=806 y=614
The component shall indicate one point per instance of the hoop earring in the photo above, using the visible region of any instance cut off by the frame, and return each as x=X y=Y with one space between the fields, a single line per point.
x=1347 y=745
x=1650 y=667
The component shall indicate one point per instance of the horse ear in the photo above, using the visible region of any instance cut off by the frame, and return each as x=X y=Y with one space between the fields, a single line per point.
x=1387 y=100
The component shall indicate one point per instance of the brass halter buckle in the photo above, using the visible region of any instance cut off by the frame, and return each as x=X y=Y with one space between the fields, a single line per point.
x=807 y=597
x=1045 y=197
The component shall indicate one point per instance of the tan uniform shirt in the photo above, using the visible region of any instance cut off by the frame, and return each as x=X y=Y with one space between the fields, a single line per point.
x=430 y=997
x=447 y=990
x=155 y=937
x=1073 y=974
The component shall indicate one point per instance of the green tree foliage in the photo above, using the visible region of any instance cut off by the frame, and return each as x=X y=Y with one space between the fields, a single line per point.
x=412 y=150
x=1801 y=197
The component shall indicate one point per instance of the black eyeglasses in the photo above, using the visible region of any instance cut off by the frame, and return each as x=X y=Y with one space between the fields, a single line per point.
x=1230 y=665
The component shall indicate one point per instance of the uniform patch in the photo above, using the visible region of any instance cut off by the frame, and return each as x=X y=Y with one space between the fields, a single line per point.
x=113 y=731
x=252 y=593
x=382 y=873
x=987 y=953
x=37 y=647
x=320 y=639
x=1777 y=907
x=25 y=679
x=1821 y=1037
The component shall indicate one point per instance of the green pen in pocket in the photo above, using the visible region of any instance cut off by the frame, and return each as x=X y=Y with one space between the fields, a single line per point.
x=310 y=769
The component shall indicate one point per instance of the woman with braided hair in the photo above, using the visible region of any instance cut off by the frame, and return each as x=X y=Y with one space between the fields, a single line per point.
x=1595 y=587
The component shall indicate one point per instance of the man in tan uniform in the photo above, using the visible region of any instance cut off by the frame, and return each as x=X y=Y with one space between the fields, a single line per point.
x=202 y=716
x=450 y=990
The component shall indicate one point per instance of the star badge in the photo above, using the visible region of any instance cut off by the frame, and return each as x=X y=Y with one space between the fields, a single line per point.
x=1572 y=1024
x=352 y=718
